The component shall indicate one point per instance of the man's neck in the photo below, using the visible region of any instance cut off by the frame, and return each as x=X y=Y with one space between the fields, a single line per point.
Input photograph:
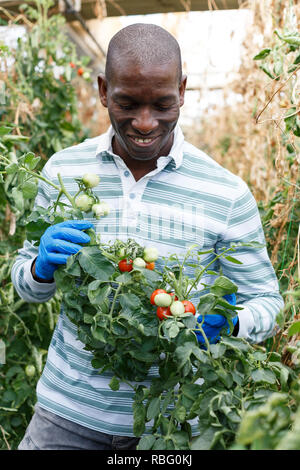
x=138 y=168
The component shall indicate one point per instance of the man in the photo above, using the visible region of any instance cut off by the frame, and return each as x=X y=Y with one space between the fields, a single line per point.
x=151 y=178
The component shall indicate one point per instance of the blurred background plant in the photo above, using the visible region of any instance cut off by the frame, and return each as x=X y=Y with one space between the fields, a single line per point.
x=39 y=114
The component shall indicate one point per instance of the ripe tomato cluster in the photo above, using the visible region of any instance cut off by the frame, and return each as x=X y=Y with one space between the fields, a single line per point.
x=168 y=304
x=150 y=255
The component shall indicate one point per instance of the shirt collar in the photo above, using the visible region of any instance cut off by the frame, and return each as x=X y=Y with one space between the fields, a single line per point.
x=176 y=153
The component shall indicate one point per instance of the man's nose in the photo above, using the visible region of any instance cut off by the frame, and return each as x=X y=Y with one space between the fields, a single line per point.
x=144 y=121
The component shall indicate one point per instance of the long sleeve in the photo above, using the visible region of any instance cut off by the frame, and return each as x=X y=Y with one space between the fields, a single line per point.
x=22 y=279
x=258 y=290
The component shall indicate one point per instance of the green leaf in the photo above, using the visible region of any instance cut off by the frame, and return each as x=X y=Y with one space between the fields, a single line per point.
x=173 y=330
x=29 y=190
x=204 y=440
x=72 y=266
x=12 y=168
x=180 y=413
x=114 y=383
x=18 y=199
x=129 y=301
x=146 y=442
x=263 y=375
x=98 y=333
x=160 y=444
x=206 y=303
x=262 y=54
x=139 y=416
x=153 y=408
x=223 y=286
x=233 y=260
x=95 y=264
x=35 y=230
x=31 y=160
x=97 y=294
x=180 y=439
x=294 y=328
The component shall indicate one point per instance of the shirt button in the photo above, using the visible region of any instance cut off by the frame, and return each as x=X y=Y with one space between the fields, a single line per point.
x=126 y=173
x=132 y=195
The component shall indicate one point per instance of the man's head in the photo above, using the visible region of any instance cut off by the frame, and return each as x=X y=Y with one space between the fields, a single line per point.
x=143 y=89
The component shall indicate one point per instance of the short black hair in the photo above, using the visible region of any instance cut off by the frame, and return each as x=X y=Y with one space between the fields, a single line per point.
x=145 y=44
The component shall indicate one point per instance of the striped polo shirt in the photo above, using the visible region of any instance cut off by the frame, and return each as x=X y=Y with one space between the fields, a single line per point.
x=188 y=199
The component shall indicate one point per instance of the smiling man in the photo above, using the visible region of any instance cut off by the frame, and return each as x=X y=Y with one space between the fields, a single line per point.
x=162 y=191
x=143 y=89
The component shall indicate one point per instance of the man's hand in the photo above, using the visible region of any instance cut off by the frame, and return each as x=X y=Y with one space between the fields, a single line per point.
x=214 y=323
x=57 y=244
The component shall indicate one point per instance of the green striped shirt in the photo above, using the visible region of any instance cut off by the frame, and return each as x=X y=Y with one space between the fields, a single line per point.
x=188 y=198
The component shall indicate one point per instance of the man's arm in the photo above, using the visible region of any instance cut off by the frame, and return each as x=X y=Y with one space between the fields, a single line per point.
x=258 y=290
x=28 y=287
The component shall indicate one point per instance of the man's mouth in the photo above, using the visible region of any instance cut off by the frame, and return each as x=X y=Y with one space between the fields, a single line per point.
x=143 y=142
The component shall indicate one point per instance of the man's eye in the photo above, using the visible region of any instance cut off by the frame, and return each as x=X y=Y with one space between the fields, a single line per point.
x=126 y=106
x=163 y=107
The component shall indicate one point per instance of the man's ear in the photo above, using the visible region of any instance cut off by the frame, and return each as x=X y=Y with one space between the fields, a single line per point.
x=102 y=87
x=182 y=88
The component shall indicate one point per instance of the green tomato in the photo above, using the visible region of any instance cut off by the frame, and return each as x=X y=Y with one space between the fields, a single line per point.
x=84 y=202
x=177 y=308
x=90 y=180
x=100 y=209
x=139 y=263
x=30 y=371
x=150 y=254
x=163 y=300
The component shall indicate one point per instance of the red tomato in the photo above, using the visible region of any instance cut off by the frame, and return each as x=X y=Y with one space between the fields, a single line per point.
x=150 y=266
x=163 y=312
x=125 y=265
x=189 y=307
x=80 y=71
x=72 y=65
x=154 y=293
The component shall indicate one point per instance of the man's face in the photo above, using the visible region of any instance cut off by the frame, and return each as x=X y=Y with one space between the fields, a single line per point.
x=143 y=104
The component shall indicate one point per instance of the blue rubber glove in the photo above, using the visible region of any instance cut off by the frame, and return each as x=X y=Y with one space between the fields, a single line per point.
x=214 y=323
x=57 y=244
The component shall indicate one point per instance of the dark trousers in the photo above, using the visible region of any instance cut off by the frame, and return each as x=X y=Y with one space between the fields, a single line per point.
x=47 y=431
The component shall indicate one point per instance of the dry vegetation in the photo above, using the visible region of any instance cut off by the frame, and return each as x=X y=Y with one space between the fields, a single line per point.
x=251 y=139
